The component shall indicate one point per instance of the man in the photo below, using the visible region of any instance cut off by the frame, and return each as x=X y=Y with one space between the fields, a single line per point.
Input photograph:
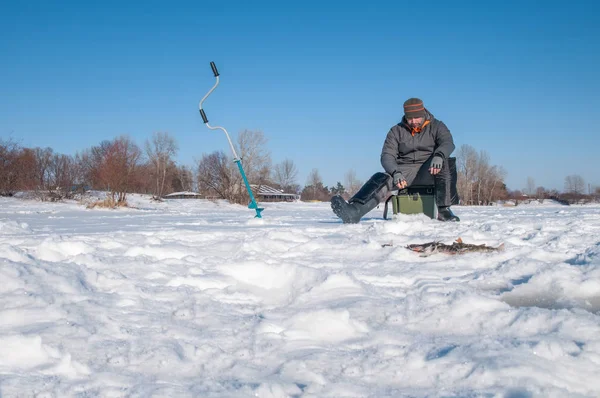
x=415 y=152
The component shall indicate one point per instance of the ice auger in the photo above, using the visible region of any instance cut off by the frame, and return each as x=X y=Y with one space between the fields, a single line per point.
x=236 y=159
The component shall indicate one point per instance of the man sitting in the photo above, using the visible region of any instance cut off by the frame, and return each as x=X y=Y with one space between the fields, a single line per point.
x=415 y=152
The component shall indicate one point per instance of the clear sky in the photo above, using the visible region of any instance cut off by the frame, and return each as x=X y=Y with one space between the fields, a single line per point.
x=324 y=80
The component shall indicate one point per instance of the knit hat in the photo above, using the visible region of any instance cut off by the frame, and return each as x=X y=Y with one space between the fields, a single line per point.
x=413 y=107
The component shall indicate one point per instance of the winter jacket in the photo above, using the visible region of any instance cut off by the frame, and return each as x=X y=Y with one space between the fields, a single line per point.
x=406 y=152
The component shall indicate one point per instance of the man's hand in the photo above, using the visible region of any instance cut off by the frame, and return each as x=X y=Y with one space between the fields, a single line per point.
x=436 y=165
x=399 y=180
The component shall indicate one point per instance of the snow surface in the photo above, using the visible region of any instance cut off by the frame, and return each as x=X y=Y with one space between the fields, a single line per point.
x=192 y=298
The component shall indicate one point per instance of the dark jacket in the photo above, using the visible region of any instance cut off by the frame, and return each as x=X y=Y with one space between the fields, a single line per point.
x=402 y=150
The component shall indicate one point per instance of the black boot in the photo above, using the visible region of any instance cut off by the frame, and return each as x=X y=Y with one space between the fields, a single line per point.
x=445 y=214
x=351 y=213
x=365 y=200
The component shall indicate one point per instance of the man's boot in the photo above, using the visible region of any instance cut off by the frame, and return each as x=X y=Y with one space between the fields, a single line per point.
x=445 y=214
x=365 y=200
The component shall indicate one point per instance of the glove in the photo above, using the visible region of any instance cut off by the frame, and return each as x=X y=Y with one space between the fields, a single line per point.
x=398 y=177
x=437 y=162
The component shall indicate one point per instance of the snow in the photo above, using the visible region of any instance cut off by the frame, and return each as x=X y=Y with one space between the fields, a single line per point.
x=195 y=298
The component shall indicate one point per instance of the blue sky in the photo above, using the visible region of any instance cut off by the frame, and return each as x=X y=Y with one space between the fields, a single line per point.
x=323 y=80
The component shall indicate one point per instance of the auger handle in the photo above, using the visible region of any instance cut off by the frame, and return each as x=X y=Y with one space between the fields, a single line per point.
x=214 y=68
x=204 y=118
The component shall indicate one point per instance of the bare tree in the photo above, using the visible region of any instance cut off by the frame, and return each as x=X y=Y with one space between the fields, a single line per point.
x=313 y=183
x=145 y=179
x=160 y=150
x=118 y=165
x=25 y=170
x=479 y=182
x=256 y=159
x=9 y=152
x=314 y=178
x=466 y=160
x=314 y=189
x=183 y=179
x=285 y=174
x=86 y=170
x=91 y=161
x=482 y=175
x=79 y=176
x=216 y=177
x=17 y=168
x=353 y=184
x=495 y=188
x=62 y=173
x=574 y=184
x=43 y=158
x=530 y=186
x=541 y=193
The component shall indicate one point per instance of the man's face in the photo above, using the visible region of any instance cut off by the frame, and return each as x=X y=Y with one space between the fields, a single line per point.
x=414 y=121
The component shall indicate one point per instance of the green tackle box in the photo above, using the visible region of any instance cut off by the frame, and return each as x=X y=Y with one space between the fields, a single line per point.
x=413 y=200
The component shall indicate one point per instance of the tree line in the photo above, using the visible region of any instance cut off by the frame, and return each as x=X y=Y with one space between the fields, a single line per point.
x=481 y=183
x=119 y=166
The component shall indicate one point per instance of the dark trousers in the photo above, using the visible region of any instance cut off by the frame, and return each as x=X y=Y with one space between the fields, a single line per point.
x=444 y=182
x=380 y=184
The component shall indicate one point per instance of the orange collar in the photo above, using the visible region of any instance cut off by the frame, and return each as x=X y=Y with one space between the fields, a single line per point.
x=418 y=129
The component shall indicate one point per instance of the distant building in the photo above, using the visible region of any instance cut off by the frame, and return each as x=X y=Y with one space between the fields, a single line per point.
x=265 y=193
x=184 y=195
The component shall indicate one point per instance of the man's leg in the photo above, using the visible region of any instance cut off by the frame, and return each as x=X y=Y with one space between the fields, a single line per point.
x=366 y=199
x=422 y=176
x=446 y=192
x=445 y=187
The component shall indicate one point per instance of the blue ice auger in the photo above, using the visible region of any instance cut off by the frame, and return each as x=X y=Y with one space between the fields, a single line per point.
x=236 y=159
